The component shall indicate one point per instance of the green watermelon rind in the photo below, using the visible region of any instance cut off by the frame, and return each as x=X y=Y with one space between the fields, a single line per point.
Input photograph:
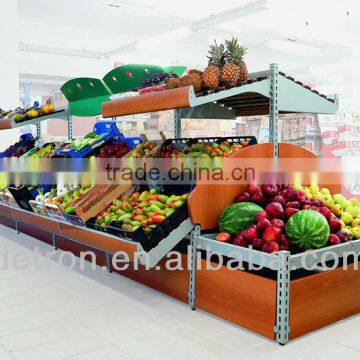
x=308 y=229
x=232 y=219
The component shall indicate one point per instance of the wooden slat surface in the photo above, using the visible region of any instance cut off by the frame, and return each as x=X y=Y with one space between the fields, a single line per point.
x=245 y=299
x=322 y=299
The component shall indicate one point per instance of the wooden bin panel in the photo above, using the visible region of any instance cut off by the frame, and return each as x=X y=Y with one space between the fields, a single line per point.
x=243 y=298
x=97 y=240
x=322 y=299
x=33 y=219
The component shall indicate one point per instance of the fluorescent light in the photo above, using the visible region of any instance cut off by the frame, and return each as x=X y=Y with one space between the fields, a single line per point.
x=240 y=11
x=293 y=47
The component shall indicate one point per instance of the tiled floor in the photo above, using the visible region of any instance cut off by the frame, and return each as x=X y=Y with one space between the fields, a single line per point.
x=55 y=313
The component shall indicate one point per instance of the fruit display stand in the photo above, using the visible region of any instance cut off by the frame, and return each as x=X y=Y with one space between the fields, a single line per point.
x=270 y=305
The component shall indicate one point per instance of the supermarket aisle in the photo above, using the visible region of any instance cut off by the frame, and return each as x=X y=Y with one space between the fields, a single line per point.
x=55 y=313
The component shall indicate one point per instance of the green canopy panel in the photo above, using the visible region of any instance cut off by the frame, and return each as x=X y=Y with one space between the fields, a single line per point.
x=87 y=107
x=126 y=77
x=85 y=96
x=178 y=70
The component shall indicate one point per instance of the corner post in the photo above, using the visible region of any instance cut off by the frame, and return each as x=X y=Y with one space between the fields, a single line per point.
x=193 y=260
x=38 y=130
x=274 y=110
x=282 y=328
x=177 y=124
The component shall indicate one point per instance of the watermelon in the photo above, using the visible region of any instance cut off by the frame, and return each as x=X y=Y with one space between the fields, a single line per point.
x=238 y=217
x=308 y=229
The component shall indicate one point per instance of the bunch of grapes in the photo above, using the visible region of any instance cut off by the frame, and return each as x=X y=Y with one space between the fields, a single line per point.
x=155 y=79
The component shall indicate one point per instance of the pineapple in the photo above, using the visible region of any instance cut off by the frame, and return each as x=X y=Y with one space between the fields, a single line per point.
x=234 y=71
x=211 y=75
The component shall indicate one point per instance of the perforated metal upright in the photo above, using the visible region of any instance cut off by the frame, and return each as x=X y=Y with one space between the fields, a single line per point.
x=193 y=262
x=274 y=109
x=177 y=124
x=70 y=126
x=282 y=328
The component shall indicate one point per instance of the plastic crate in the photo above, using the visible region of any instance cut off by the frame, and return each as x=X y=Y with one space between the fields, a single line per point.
x=26 y=140
x=109 y=132
x=22 y=195
x=147 y=240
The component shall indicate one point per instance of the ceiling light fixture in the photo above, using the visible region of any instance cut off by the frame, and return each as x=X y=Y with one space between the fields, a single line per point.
x=240 y=11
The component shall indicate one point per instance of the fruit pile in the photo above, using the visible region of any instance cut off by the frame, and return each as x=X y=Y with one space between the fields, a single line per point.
x=65 y=196
x=87 y=140
x=147 y=210
x=202 y=150
x=277 y=217
x=143 y=150
x=114 y=150
x=45 y=152
x=22 y=114
x=154 y=81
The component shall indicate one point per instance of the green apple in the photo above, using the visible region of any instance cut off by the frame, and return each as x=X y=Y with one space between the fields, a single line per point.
x=346 y=217
x=355 y=223
x=314 y=188
x=347 y=203
x=354 y=201
x=347 y=229
x=356 y=232
x=308 y=194
x=343 y=226
x=329 y=201
x=325 y=191
x=351 y=210
x=319 y=196
x=338 y=198
x=298 y=187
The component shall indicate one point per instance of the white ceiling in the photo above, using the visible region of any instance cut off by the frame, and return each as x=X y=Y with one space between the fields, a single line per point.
x=93 y=26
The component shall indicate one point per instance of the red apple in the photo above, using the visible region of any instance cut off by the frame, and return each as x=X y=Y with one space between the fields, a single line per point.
x=290 y=212
x=292 y=194
x=321 y=203
x=343 y=236
x=280 y=199
x=269 y=190
x=271 y=247
x=223 y=237
x=244 y=197
x=315 y=202
x=240 y=241
x=326 y=212
x=293 y=204
x=259 y=199
x=335 y=225
x=253 y=189
x=261 y=215
x=306 y=207
x=271 y=234
x=284 y=243
x=250 y=234
x=257 y=244
x=262 y=225
x=333 y=239
x=274 y=210
x=315 y=208
x=278 y=224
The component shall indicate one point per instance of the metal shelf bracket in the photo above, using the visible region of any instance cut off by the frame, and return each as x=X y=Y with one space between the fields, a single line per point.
x=282 y=328
x=193 y=260
x=17 y=226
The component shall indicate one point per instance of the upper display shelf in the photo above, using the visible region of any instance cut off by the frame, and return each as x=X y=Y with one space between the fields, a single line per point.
x=11 y=124
x=250 y=98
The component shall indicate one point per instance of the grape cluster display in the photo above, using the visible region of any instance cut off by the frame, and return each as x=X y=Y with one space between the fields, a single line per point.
x=155 y=79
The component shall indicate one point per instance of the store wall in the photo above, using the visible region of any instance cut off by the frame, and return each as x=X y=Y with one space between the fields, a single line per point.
x=9 y=74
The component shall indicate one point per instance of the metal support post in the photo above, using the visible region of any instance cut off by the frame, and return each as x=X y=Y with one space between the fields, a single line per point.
x=274 y=110
x=38 y=130
x=17 y=226
x=177 y=124
x=193 y=260
x=282 y=328
x=53 y=241
x=70 y=127
x=108 y=262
